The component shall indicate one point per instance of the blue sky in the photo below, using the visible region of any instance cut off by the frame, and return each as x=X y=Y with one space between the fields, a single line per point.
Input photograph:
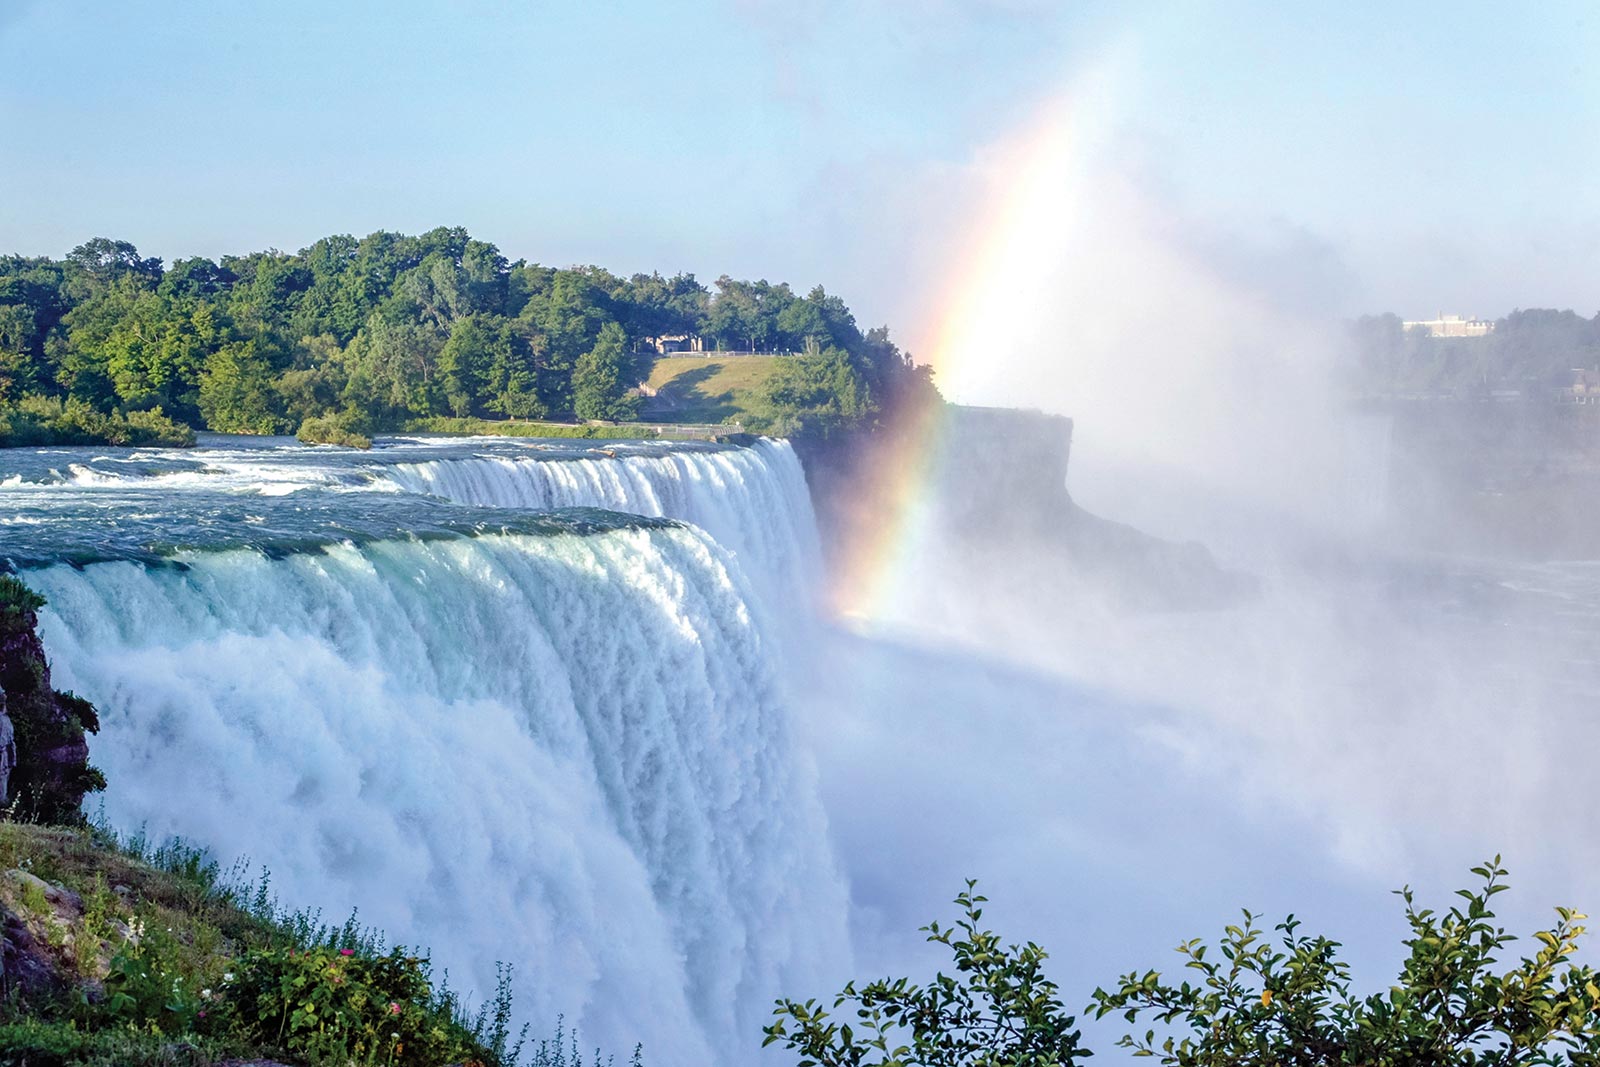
x=1409 y=156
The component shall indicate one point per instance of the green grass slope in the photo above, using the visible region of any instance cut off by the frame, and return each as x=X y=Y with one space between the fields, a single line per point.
x=120 y=954
x=707 y=389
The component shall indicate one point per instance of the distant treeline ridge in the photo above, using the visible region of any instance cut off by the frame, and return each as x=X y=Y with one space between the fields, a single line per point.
x=371 y=332
x=1537 y=352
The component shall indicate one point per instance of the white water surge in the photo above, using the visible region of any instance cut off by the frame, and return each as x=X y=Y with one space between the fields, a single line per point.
x=753 y=501
x=570 y=752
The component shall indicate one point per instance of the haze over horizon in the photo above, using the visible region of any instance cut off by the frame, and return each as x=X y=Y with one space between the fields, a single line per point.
x=1408 y=161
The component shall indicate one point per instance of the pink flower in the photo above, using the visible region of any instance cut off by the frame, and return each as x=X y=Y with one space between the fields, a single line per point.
x=202 y=1015
x=394 y=1008
x=347 y=952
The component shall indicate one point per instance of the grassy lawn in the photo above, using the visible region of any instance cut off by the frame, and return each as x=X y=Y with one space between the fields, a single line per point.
x=706 y=389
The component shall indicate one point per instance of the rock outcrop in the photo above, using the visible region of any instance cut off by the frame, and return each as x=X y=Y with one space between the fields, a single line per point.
x=993 y=482
x=44 y=754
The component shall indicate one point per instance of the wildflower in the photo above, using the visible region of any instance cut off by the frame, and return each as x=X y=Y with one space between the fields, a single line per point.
x=201 y=1013
x=347 y=952
x=394 y=1008
x=205 y=994
x=228 y=977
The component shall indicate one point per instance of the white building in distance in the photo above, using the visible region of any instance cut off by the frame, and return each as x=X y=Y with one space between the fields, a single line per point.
x=1453 y=326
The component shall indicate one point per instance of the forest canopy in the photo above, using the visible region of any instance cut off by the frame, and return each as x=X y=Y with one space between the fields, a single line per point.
x=372 y=332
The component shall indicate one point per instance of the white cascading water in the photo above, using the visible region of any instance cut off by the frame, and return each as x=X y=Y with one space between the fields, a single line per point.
x=569 y=752
x=753 y=501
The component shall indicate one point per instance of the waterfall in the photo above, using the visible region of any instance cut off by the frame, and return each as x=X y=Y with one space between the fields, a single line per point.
x=753 y=501
x=566 y=751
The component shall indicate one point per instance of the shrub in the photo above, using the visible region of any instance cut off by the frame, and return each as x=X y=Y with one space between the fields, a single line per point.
x=998 y=1009
x=334 y=1006
x=39 y=420
x=1257 y=1004
x=16 y=599
x=333 y=430
x=41 y=1042
x=153 y=427
x=150 y=986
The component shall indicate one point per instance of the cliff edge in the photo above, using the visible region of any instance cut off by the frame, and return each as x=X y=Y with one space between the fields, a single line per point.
x=994 y=481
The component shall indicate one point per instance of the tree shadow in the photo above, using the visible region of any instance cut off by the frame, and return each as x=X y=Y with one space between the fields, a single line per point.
x=684 y=400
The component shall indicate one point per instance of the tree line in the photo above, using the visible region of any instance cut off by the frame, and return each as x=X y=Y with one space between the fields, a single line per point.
x=1534 y=350
x=372 y=332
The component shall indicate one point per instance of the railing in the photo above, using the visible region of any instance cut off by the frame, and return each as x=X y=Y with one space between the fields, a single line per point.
x=690 y=431
x=709 y=354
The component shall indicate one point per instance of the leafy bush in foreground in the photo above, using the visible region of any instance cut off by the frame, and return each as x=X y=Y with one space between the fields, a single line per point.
x=1291 y=1004
x=1253 y=1003
x=335 y=1005
x=997 y=1009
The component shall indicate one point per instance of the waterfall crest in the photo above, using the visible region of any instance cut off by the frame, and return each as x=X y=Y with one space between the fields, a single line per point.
x=753 y=501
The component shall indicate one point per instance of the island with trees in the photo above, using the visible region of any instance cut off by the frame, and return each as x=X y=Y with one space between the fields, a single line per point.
x=394 y=332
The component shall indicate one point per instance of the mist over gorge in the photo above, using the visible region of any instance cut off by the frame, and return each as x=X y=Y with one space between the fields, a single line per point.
x=566 y=535
x=641 y=759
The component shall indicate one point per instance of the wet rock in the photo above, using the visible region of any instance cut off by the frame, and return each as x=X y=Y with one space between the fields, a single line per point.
x=43 y=748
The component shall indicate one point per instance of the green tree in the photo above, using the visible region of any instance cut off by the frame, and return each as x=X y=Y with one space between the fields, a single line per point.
x=236 y=394
x=18 y=367
x=395 y=362
x=811 y=392
x=315 y=383
x=650 y=306
x=748 y=315
x=511 y=385
x=154 y=353
x=603 y=378
x=997 y=1010
x=197 y=278
x=466 y=362
x=569 y=316
x=101 y=261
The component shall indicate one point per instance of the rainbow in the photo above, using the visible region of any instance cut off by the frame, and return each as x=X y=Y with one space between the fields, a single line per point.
x=1027 y=200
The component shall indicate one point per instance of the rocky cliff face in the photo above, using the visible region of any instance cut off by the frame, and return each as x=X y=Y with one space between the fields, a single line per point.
x=1516 y=480
x=995 y=479
x=44 y=754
